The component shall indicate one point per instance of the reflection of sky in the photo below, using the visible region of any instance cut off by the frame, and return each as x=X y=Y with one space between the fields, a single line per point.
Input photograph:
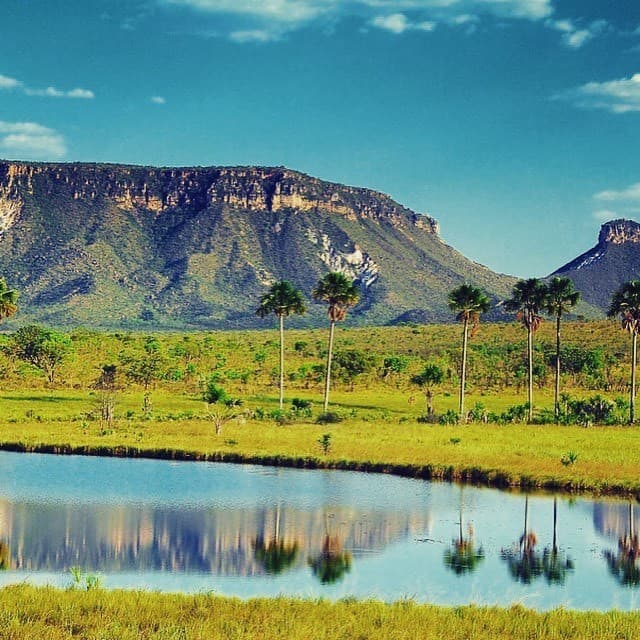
x=191 y=527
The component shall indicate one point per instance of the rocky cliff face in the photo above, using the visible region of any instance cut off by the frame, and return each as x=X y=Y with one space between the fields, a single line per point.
x=114 y=245
x=598 y=272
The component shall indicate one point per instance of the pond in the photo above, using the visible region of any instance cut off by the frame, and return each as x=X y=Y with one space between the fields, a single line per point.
x=260 y=531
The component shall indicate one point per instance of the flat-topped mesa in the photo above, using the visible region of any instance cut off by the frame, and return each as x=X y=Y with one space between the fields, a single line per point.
x=619 y=232
x=250 y=188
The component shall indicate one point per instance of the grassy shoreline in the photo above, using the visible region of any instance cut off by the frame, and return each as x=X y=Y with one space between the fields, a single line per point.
x=53 y=614
x=517 y=456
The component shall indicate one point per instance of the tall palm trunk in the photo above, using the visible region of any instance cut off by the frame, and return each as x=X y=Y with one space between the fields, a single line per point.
x=327 y=379
x=556 y=400
x=530 y=354
x=555 y=526
x=632 y=399
x=281 y=361
x=463 y=368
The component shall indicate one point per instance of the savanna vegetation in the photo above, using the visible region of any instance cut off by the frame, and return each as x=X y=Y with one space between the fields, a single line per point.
x=168 y=394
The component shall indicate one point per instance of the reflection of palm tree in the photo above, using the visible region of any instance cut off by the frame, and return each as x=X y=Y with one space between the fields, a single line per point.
x=275 y=555
x=525 y=564
x=5 y=556
x=555 y=564
x=463 y=557
x=623 y=565
x=332 y=563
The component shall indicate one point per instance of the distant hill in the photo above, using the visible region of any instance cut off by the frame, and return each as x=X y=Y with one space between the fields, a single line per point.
x=598 y=272
x=142 y=247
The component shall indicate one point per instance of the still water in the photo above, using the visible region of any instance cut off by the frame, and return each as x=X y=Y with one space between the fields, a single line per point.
x=260 y=531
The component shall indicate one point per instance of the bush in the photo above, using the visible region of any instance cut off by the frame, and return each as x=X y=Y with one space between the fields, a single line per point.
x=329 y=418
x=212 y=393
x=450 y=417
x=301 y=403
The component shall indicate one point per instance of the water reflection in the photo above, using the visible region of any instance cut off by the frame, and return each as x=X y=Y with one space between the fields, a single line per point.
x=524 y=561
x=241 y=542
x=463 y=557
x=555 y=563
x=623 y=563
x=255 y=532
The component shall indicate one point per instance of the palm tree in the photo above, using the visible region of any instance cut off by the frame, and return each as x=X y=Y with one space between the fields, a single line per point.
x=626 y=303
x=561 y=296
x=8 y=298
x=340 y=294
x=282 y=299
x=469 y=302
x=430 y=376
x=527 y=297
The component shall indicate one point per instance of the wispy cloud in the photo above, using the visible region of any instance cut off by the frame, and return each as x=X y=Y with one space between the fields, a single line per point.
x=158 y=100
x=12 y=84
x=30 y=141
x=616 y=96
x=629 y=194
x=9 y=83
x=604 y=215
x=399 y=23
x=252 y=21
x=574 y=36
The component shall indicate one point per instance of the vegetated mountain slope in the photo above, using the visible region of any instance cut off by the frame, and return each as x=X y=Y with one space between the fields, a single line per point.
x=613 y=261
x=128 y=246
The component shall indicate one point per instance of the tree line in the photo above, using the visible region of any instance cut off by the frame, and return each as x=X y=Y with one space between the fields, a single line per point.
x=530 y=299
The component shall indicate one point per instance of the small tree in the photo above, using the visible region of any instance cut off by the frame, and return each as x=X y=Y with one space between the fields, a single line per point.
x=353 y=363
x=106 y=384
x=145 y=369
x=431 y=376
x=42 y=348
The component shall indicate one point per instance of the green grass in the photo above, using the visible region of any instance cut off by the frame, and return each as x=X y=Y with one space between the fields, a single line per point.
x=50 y=614
x=521 y=455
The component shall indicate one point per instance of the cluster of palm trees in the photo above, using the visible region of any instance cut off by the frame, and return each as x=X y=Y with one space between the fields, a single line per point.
x=529 y=300
x=283 y=299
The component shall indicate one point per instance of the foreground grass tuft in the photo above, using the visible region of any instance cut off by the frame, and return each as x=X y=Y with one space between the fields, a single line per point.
x=50 y=614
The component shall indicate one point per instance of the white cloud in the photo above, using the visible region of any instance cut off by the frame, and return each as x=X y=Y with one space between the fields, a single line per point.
x=9 y=83
x=52 y=92
x=575 y=37
x=630 y=194
x=30 y=141
x=267 y=20
x=158 y=100
x=616 y=96
x=399 y=23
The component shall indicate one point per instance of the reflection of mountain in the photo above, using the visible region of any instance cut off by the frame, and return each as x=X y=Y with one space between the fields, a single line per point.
x=612 y=520
x=217 y=541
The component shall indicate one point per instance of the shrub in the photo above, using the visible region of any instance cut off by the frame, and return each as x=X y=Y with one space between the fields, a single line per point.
x=329 y=418
x=450 y=417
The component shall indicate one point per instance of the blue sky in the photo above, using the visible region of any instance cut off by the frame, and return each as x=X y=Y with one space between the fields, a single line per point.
x=515 y=123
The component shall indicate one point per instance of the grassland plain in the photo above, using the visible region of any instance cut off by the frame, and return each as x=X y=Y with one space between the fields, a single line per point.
x=379 y=431
x=380 y=410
